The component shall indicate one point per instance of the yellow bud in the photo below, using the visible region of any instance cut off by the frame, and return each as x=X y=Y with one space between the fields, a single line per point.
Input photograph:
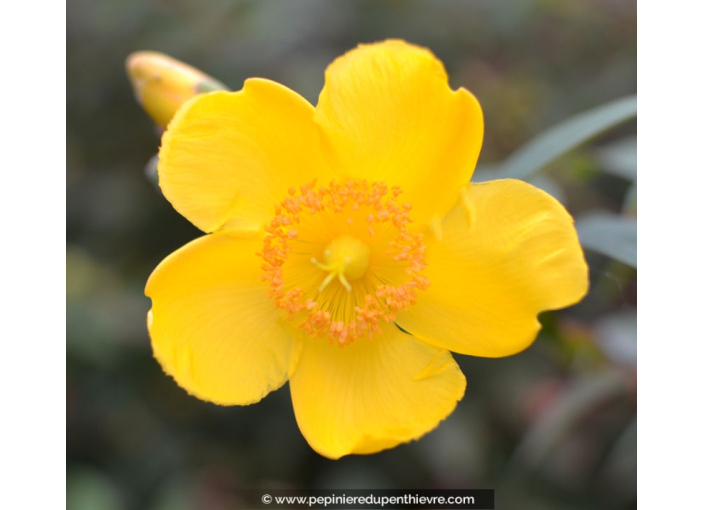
x=162 y=84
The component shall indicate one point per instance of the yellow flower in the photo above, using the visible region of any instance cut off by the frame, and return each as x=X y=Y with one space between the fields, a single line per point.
x=330 y=226
x=162 y=84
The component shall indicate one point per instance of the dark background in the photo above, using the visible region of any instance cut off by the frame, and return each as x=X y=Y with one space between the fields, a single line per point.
x=551 y=428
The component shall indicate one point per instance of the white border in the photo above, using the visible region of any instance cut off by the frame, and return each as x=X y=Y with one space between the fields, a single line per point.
x=670 y=254
x=33 y=212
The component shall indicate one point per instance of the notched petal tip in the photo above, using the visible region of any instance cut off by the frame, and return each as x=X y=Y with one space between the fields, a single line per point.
x=509 y=252
x=373 y=394
x=387 y=113
x=228 y=157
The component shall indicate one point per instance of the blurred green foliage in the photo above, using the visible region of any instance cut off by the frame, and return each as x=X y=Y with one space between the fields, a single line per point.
x=551 y=428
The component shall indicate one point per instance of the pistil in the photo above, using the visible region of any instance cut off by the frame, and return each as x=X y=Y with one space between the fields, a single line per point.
x=346 y=258
x=370 y=216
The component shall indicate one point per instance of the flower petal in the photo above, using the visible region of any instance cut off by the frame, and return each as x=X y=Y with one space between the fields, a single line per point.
x=372 y=394
x=228 y=157
x=508 y=251
x=386 y=113
x=213 y=328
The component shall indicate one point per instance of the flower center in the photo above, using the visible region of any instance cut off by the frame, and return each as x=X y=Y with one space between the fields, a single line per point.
x=346 y=258
x=340 y=259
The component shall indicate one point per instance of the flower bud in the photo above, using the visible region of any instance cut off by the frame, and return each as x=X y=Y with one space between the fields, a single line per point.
x=162 y=84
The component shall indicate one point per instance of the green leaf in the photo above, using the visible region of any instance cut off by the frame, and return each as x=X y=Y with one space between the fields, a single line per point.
x=578 y=400
x=150 y=171
x=558 y=140
x=209 y=84
x=620 y=158
x=616 y=336
x=609 y=234
x=89 y=489
x=630 y=202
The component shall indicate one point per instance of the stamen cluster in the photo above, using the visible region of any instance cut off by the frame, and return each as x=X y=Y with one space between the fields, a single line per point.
x=376 y=298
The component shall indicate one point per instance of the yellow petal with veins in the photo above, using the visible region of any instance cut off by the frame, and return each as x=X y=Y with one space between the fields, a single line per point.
x=213 y=328
x=387 y=113
x=372 y=394
x=229 y=157
x=508 y=252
